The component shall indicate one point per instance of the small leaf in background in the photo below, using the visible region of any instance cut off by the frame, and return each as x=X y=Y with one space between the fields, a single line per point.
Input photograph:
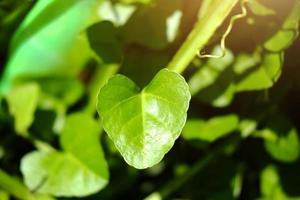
x=273 y=65
x=23 y=101
x=237 y=183
x=212 y=129
x=254 y=73
x=153 y=26
x=79 y=170
x=244 y=62
x=202 y=79
x=144 y=124
x=220 y=64
x=247 y=126
x=264 y=72
x=270 y=185
x=221 y=92
x=213 y=83
x=210 y=71
x=281 y=139
x=280 y=41
x=287 y=34
x=103 y=40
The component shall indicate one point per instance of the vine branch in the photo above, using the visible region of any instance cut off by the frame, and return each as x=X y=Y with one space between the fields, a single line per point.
x=202 y=32
x=227 y=32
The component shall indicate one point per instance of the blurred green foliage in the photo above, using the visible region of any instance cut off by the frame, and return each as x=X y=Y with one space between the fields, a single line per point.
x=241 y=137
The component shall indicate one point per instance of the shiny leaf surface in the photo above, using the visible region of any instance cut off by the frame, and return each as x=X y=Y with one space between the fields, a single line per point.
x=144 y=124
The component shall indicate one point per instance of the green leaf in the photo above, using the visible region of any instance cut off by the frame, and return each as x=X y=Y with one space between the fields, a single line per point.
x=247 y=127
x=255 y=73
x=281 y=139
x=51 y=36
x=210 y=71
x=270 y=185
x=144 y=124
x=285 y=148
x=221 y=92
x=211 y=129
x=265 y=71
x=213 y=83
x=244 y=62
x=79 y=170
x=287 y=34
x=22 y=101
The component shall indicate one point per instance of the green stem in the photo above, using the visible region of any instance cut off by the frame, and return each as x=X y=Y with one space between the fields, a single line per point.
x=167 y=190
x=102 y=74
x=14 y=187
x=204 y=29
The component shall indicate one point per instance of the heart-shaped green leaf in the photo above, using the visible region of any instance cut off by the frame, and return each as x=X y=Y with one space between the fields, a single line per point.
x=144 y=124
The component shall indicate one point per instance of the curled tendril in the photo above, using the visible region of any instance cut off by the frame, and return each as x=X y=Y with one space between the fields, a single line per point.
x=227 y=32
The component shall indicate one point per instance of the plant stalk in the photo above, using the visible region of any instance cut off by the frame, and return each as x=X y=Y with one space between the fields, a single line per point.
x=14 y=187
x=102 y=75
x=204 y=29
x=166 y=191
